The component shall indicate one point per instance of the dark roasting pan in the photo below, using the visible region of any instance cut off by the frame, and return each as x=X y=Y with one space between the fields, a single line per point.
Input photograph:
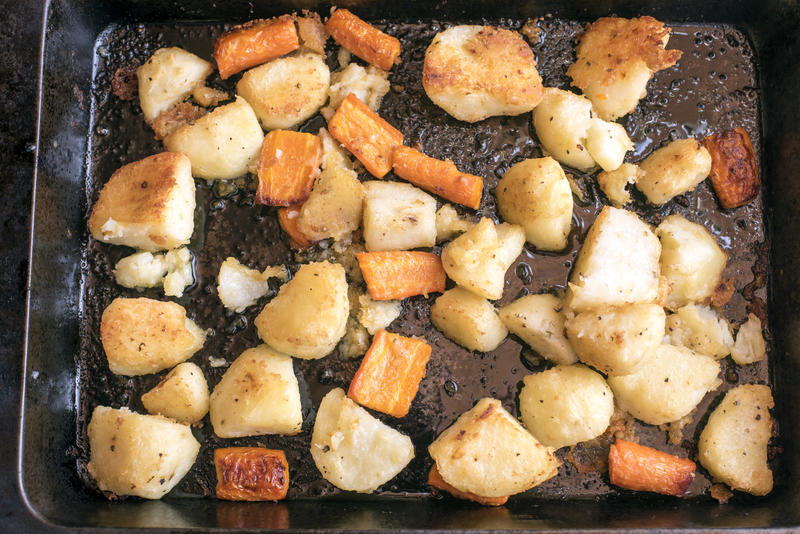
x=77 y=150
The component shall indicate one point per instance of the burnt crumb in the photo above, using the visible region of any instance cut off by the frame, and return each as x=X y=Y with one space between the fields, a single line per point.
x=124 y=84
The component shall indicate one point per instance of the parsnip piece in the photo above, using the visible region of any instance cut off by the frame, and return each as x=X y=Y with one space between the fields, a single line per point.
x=700 y=329
x=335 y=206
x=673 y=169
x=353 y=450
x=141 y=455
x=613 y=183
x=539 y=322
x=377 y=314
x=488 y=453
x=469 y=320
x=449 y=223
x=258 y=394
x=667 y=385
x=239 y=287
x=733 y=445
x=168 y=77
x=369 y=84
x=181 y=395
x=398 y=216
x=565 y=405
x=750 y=346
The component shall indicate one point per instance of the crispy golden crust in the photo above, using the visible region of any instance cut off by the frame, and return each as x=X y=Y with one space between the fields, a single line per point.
x=734 y=174
x=169 y=121
x=312 y=31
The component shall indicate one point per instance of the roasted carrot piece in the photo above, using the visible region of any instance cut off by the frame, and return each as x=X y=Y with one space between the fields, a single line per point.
x=636 y=467
x=370 y=138
x=435 y=479
x=251 y=474
x=254 y=43
x=390 y=373
x=439 y=177
x=287 y=218
x=734 y=174
x=363 y=39
x=397 y=274
x=289 y=164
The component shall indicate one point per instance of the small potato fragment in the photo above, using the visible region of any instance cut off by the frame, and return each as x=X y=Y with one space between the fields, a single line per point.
x=469 y=320
x=167 y=78
x=475 y=72
x=539 y=322
x=312 y=31
x=488 y=453
x=615 y=340
x=565 y=405
x=251 y=474
x=142 y=336
x=607 y=143
x=449 y=223
x=309 y=316
x=397 y=216
x=334 y=208
x=353 y=450
x=673 y=169
x=691 y=260
x=734 y=174
x=733 y=445
x=141 y=455
x=750 y=346
x=239 y=287
x=561 y=121
x=258 y=394
x=180 y=273
x=700 y=329
x=169 y=121
x=667 y=385
x=181 y=395
x=369 y=85
x=536 y=195
x=613 y=183
x=478 y=259
x=141 y=269
x=375 y=315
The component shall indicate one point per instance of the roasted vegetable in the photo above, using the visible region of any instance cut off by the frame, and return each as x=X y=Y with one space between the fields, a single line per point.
x=251 y=474
x=254 y=43
x=395 y=275
x=639 y=468
x=363 y=39
x=734 y=174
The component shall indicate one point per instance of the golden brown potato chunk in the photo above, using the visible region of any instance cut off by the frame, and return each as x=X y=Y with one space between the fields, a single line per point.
x=672 y=170
x=181 y=395
x=614 y=183
x=539 y=321
x=469 y=320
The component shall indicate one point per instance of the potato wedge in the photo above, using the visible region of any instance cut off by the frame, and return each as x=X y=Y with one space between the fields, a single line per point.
x=469 y=320
x=538 y=320
x=674 y=169
x=181 y=395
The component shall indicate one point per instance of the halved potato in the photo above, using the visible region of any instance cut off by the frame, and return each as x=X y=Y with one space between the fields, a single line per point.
x=700 y=329
x=469 y=320
x=672 y=170
x=539 y=321
x=181 y=395
x=750 y=346
x=398 y=216
x=239 y=287
x=168 y=77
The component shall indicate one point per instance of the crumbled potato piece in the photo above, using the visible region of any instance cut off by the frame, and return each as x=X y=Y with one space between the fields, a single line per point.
x=613 y=183
x=733 y=445
x=239 y=287
x=398 y=216
x=691 y=260
x=469 y=320
x=181 y=395
x=335 y=206
x=208 y=96
x=369 y=84
x=673 y=169
x=312 y=31
x=169 y=77
x=377 y=314
x=750 y=346
x=478 y=259
x=355 y=341
x=140 y=269
x=174 y=118
x=258 y=394
x=539 y=322
x=353 y=450
x=667 y=385
x=615 y=340
x=179 y=272
x=565 y=405
x=142 y=336
x=475 y=72
x=449 y=223
x=141 y=455
x=700 y=328
x=535 y=194
x=607 y=143
x=333 y=154
x=488 y=453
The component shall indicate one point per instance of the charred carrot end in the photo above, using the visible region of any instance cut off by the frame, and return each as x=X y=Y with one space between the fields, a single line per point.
x=390 y=373
x=363 y=39
x=435 y=479
x=370 y=138
x=636 y=467
x=439 y=177
x=734 y=174
x=397 y=274
x=254 y=43
x=251 y=474
x=289 y=164
x=287 y=217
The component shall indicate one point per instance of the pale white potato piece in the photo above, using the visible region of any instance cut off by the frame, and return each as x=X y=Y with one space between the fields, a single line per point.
x=398 y=216
x=469 y=320
x=539 y=321
x=617 y=264
x=449 y=223
x=169 y=77
x=536 y=195
x=673 y=169
x=561 y=121
x=221 y=144
x=140 y=269
x=142 y=336
x=239 y=287
x=691 y=260
x=258 y=394
x=621 y=96
x=478 y=259
x=700 y=329
x=353 y=450
x=308 y=317
x=369 y=84
x=475 y=72
x=607 y=143
x=613 y=183
x=667 y=385
x=565 y=405
x=335 y=206
x=141 y=455
x=615 y=340
x=750 y=346
x=181 y=395
x=286 y=91
x=377 y=314
x=179 y=272
x=147 y=204
x=487 y=452
x=733 y=445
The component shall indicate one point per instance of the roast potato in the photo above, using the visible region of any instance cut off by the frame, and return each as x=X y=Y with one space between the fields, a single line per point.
x=750 y=346
x=369 y=84
x=449 y=223
x=539 y=321
x=469 y=320
x=701 y=329
x=239 y=287
x=673 y=169
x=168 y=77
x=613 y=183
x=377 y=314
x=181 y=395
x=398 y=216
x=335 y=206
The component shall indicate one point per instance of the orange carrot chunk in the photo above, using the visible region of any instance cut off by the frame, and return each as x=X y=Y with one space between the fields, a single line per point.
x=287 y=218
x=390 y=373
x=251 y=474
x=636 y=467
x=435 y=479
x=254 y=43
x=397 y=274
x=363 y=39
x=439 y=177
x=289 y=164
x=370 y=138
